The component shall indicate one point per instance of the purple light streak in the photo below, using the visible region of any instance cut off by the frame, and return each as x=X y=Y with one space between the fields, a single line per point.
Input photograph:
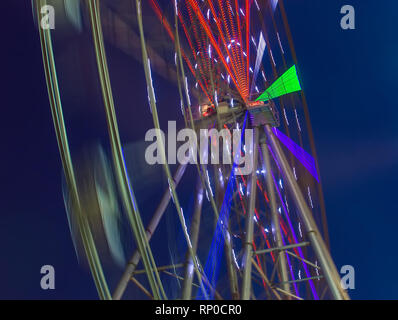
x=305 y=158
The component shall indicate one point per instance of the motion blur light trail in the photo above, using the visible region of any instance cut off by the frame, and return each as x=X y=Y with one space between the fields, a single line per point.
x=261 y=236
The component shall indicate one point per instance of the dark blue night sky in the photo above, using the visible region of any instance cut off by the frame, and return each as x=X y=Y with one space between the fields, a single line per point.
x=350 y=82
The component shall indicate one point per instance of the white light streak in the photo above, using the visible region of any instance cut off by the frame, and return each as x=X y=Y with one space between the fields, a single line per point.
x=258 y=8
x=262 y=73
x=254 y=41
x=299 y=227
x=208 y=181
x=294 y=172
x=287 y=205
x=272 y=57
x=287 y=121
x=309 y=197
x=234 y=256
x=297 y=120
x=187 y=91
x=280 y=43
x=185 y=229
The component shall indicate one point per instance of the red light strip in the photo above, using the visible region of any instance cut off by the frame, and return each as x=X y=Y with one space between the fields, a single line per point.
x=239 y=29
x=205 y=26
x=201 y=71
x=248 y=2
x=231 y=29
x=212 y=9
x=166 y=24
x=199 y=48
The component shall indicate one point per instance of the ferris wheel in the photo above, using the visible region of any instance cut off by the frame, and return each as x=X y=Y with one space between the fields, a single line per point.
x=260 y=234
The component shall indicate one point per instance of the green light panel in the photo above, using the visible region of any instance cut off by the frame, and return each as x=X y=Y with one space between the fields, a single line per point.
x=286 y=83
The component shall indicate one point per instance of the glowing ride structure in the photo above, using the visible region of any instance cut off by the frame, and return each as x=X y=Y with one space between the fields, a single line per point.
x=269 y=239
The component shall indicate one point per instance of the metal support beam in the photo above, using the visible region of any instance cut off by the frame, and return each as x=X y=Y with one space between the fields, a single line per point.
x=302 y=259
x=289 y=246
x=195 y=224
x=143 y=289
x=288 y=293
x=265 y=278
x=282 y=262
x=135 y=259
x=248 y=245
x=311 y=229
x=162 y=268
x=306 y=279
x=231 y=268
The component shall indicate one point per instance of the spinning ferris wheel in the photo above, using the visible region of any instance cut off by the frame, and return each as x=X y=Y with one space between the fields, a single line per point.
x=232 y=64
